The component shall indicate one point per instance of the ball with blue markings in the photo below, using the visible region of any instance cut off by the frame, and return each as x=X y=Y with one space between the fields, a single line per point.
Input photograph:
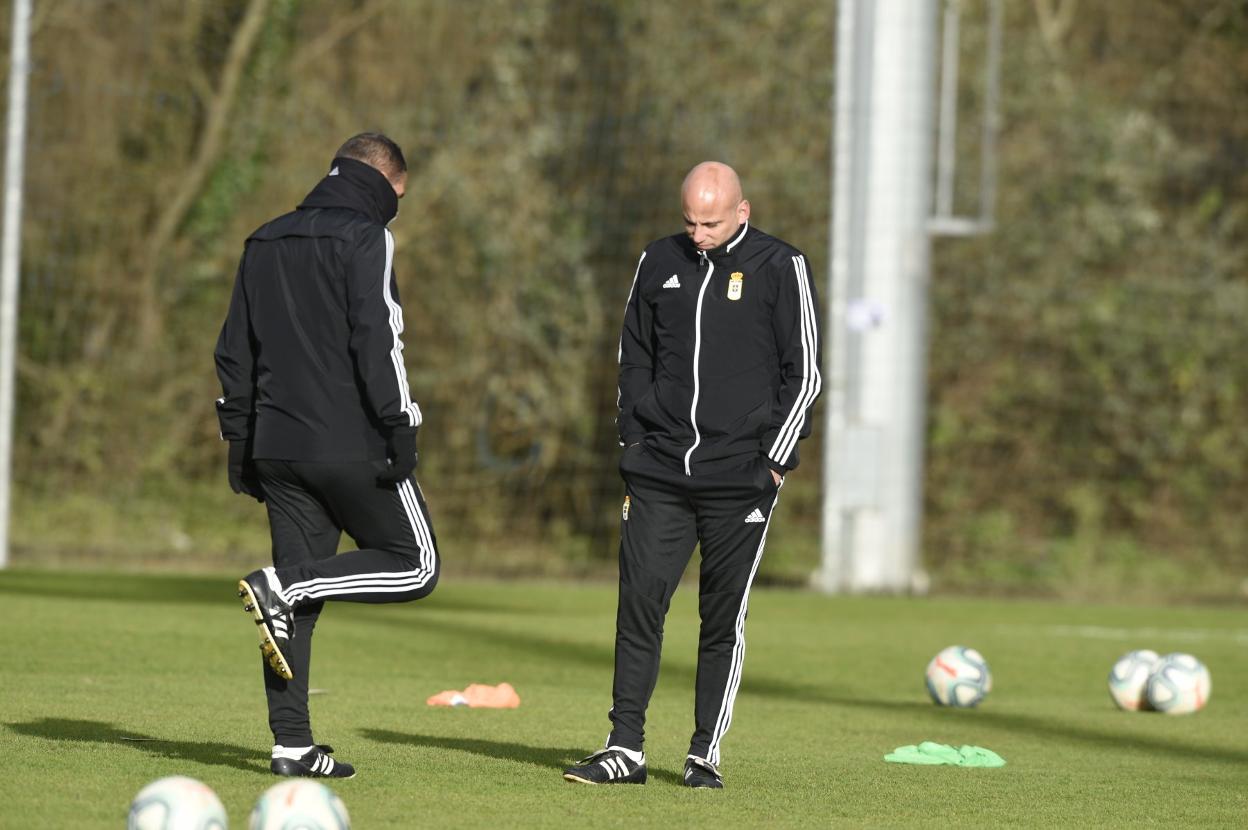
x=1179 y=684
x=176 y=803
x=958 y=676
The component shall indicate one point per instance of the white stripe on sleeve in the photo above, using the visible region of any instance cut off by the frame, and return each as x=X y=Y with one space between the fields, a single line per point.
x=406 y=404
x=812 y=381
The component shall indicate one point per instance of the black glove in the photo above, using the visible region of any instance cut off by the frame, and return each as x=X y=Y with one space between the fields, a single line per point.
x=242 y=472
x=402 y=449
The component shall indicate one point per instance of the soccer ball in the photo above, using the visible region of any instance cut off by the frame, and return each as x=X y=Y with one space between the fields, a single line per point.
x=176 y=803
x=301 y=803
x=958 y=676
x=1128 y=679
x=1179 y=684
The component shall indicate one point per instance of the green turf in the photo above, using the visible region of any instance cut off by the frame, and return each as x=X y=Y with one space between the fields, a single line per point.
x=831 y=685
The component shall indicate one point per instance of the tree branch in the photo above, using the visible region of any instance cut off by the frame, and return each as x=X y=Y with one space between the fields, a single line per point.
x=192 y=180
x=1056 y=17
x=342 y=28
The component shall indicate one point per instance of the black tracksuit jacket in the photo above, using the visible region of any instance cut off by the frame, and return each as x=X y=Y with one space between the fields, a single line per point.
x=719 y=355
x=310 y=357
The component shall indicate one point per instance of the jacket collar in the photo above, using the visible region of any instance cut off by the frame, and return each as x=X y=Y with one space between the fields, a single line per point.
x=730 y=247
x=356 y=186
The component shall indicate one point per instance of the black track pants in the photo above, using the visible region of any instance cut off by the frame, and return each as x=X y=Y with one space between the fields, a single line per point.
x=309 y=505
x=666 y=514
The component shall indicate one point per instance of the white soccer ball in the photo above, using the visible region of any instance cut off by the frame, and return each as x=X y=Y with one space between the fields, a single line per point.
x=1179 y=684
x=958 y=676
x=176 y=803
x=1128 y=679
x=299 y=803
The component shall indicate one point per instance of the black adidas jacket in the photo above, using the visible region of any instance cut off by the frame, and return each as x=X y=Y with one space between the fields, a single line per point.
x=310 y=357
x=719 y=356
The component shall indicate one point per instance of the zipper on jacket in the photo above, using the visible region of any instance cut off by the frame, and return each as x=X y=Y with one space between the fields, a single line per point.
x=697 y=351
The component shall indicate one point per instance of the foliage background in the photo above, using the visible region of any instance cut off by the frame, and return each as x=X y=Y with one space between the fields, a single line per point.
x=1087 y=386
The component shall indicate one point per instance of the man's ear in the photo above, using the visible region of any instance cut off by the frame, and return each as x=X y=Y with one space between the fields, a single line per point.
x=743 y=212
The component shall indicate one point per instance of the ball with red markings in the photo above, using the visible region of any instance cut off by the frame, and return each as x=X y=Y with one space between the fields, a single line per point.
x=1180 y=684
x=958 y=676
x=299 y=803
x=176 y=803
x=1128 y=679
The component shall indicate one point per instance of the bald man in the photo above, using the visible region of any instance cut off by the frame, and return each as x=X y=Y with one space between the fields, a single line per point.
x=719 y=368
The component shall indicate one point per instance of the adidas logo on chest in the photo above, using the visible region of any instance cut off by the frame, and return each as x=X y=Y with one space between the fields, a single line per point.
x=672 y=282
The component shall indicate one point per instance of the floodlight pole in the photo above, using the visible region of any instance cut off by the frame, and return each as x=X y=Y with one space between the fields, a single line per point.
x=880 y=249
x=10 y=256
x=876 y=328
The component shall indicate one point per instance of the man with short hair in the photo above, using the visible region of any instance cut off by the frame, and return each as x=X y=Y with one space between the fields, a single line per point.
x=322 y=426
x=719 y=369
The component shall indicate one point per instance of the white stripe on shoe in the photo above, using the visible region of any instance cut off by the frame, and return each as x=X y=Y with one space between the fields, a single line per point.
x=323 y=764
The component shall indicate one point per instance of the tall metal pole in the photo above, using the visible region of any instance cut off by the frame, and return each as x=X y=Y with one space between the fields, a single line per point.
x=10 y=257
x=877 y=323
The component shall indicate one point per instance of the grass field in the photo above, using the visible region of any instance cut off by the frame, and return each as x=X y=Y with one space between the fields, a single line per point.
x=90 y=662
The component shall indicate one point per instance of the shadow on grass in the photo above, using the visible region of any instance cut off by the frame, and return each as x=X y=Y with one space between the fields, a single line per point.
x=556 y=651
x=201 y=590
x=1117 y=740
x=542 y=756
x=211 y=753
x=561 y=652
x=120 y=587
